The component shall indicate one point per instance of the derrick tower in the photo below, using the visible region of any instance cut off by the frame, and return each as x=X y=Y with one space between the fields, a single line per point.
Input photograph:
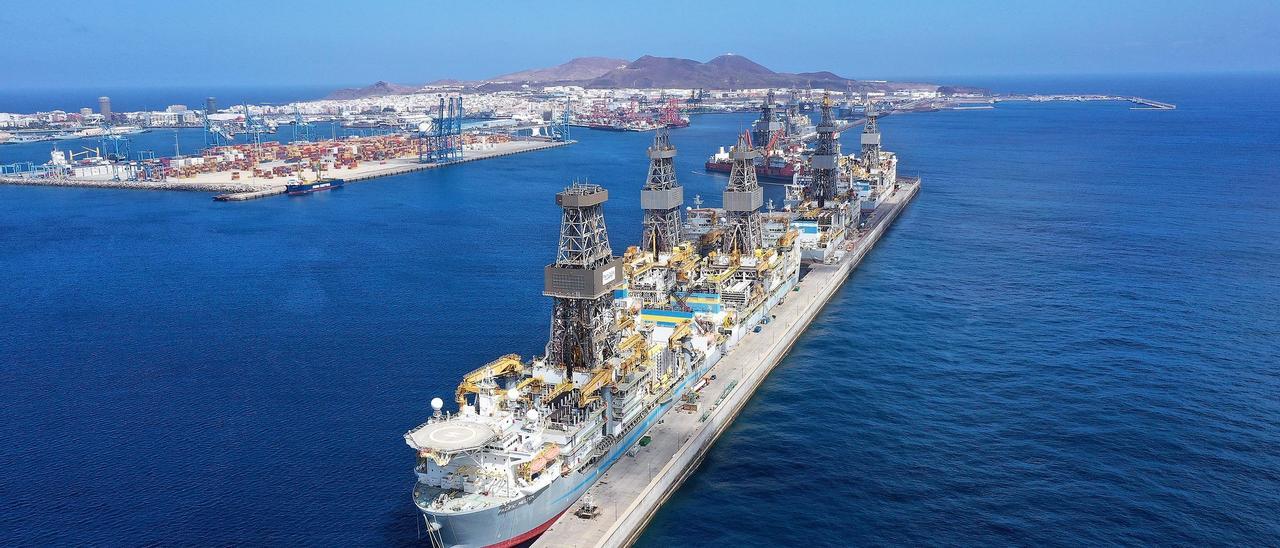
x=581 y=282
x=742 y=200
x=661 y=197
x=825 y=155
x=766 y=126
x=871 y=139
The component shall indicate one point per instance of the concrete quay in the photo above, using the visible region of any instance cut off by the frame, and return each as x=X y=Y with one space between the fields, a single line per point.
x=248 y=188
x=174 y=184
x=633 y=489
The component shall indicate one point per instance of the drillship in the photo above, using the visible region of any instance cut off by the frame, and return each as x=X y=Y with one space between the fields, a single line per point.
x=781 y=137
x=631 y=337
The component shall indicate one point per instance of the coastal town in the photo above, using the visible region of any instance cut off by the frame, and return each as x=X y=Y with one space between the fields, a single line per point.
x=255 y=150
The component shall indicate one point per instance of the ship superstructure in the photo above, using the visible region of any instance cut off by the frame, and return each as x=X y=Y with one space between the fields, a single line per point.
x=778 y=139
x=825 y=156
x=661 y=198
x=875 y=173
x=631 y=336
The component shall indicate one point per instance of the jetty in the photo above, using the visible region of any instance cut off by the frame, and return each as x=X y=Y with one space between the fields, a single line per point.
x=618 y=507
x=1142 y=102
x=230 y=187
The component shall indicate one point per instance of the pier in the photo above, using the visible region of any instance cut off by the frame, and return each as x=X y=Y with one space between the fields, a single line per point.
x=401 y=166
x=633 y=489
x=231 y=189
x=1141 y=102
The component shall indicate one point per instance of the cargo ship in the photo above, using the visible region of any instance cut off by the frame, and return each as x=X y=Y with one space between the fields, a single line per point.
x=297 y=188
x=631 y=338
x=782 y=156
x=771 y=168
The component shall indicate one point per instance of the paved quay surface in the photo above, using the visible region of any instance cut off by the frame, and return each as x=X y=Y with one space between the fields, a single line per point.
x=632 y=490
x=251 y=187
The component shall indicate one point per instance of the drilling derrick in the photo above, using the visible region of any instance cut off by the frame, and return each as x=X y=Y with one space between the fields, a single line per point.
x=825 y=155
x=661 y=198
x=871 y=139
x=766 y=126
x=742 y=200
x=581 y=283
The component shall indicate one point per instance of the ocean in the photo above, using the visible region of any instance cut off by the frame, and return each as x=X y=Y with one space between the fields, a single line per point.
x=1069 y=338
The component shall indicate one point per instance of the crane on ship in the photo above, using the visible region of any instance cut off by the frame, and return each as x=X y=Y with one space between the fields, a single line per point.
x=509 y=364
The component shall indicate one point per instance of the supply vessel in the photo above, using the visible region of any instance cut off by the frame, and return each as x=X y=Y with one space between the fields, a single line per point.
x=631 y=337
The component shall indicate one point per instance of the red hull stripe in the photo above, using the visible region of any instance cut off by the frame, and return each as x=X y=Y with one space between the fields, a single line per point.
x=535 y=532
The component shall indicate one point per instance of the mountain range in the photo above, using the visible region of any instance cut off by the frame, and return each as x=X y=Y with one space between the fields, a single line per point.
x=581 y=68
x=724 y=72
x=727 y=71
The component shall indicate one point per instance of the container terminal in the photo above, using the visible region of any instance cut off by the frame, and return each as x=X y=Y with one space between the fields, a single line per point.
x=651 y=353
x=245 y=155
x=264 y=167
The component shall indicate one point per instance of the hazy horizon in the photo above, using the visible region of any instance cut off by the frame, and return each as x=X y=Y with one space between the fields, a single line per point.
x=148 y=43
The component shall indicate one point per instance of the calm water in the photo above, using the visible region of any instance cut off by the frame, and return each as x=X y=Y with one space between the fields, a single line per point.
x=1069 y=338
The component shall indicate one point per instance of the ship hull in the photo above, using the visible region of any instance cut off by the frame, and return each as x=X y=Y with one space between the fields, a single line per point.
x=494 y=527
x=307 y=188
x=524 y=519
x=782 y=174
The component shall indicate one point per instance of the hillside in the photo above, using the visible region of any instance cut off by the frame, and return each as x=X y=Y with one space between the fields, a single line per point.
x=727 y=71
x=723 y=72
x=581 y=68
x=376 y=89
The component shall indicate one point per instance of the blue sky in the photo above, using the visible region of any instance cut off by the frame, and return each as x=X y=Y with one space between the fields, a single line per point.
x=58 y=43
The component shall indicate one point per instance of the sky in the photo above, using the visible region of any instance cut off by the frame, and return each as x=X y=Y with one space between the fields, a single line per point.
x=55 y=44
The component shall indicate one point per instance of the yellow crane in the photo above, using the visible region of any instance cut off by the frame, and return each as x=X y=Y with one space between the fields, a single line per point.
x=682 y=330
x=591 y=390
x=507 y=365
x=564 y=387
x=787 y=239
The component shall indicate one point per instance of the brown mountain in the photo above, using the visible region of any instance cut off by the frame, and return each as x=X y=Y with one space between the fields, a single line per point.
x=724 y=72
x=581 y=68
x=377 y=89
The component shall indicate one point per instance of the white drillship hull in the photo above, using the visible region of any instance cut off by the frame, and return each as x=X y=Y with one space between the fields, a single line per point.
x=526 y=518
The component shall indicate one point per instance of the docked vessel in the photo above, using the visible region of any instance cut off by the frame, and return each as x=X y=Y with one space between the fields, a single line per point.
x=300 y=187
x=773 y=168
x=630 y=336
x=601 y=117
x=781 y=135
x=670 y=116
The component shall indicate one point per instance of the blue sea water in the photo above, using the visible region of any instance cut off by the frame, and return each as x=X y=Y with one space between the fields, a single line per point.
x=1069 y=338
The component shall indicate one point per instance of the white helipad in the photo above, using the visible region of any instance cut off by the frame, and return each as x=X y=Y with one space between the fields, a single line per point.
x=452 y=436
